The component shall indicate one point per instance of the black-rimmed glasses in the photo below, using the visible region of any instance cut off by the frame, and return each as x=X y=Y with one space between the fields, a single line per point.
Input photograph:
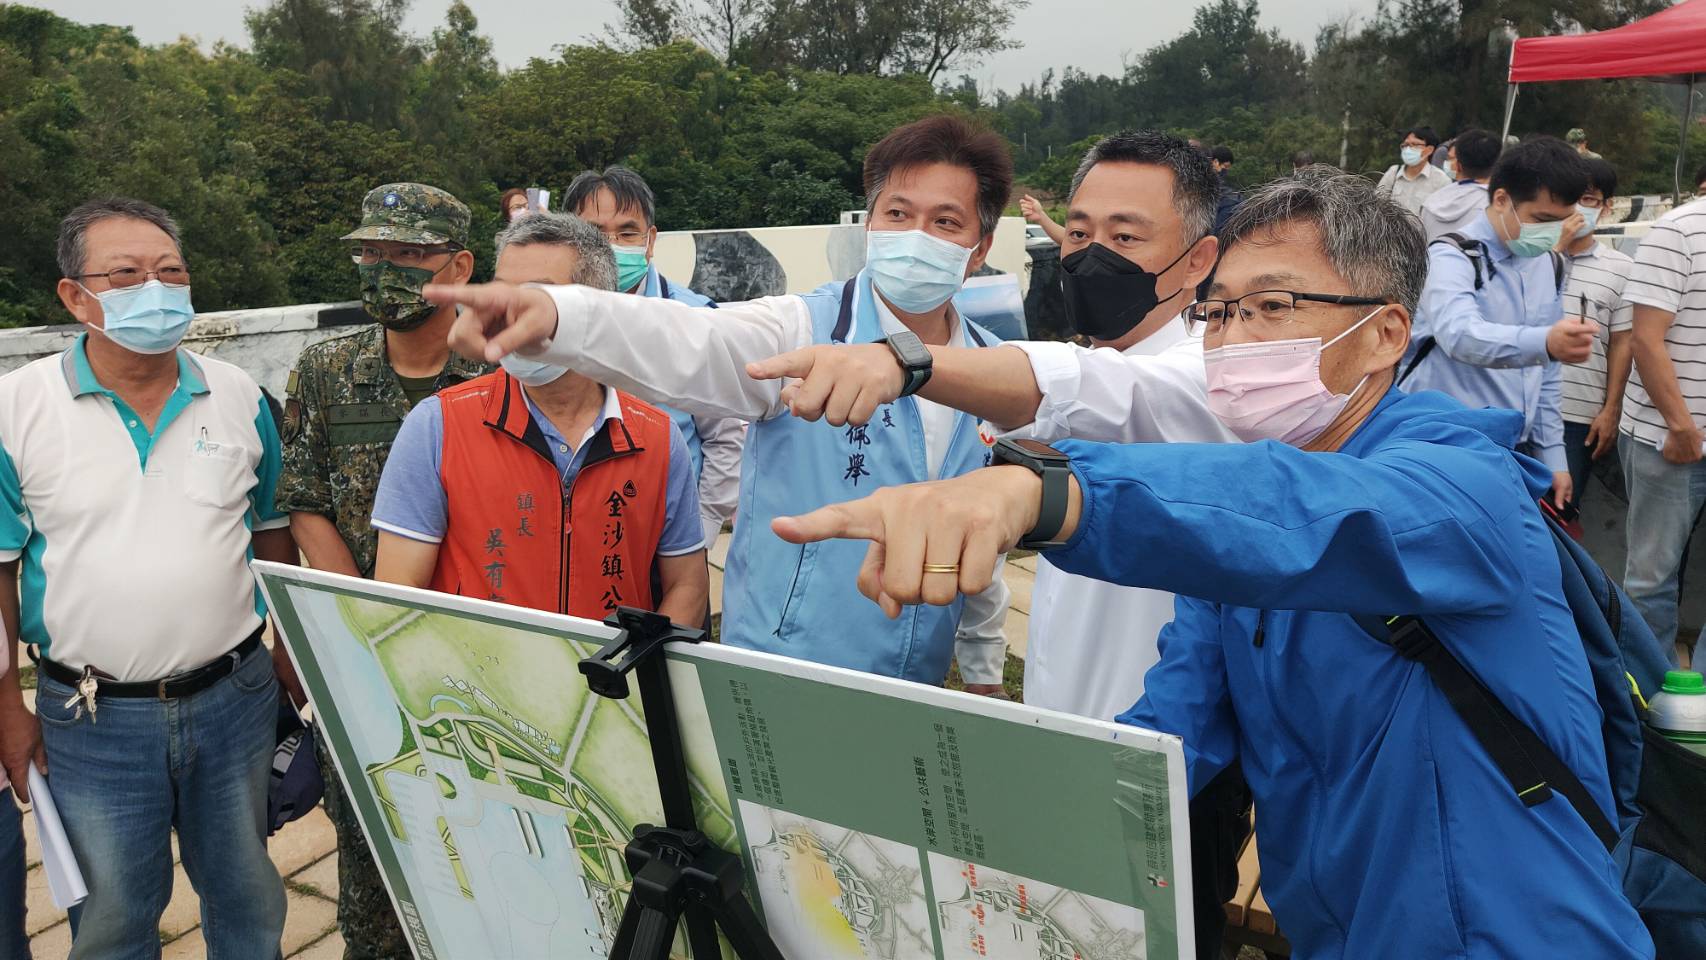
x=1264 y=312
x=132 y=276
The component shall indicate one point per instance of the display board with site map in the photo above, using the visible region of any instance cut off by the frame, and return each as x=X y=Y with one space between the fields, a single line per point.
x=876 y=818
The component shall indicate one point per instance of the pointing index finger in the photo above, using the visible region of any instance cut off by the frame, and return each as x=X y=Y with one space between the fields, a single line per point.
x=794 y=363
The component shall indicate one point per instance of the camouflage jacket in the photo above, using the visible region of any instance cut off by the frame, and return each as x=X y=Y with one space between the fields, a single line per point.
x=343 y=407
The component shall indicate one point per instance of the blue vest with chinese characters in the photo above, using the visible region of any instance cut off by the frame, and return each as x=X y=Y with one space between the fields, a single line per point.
x=657 y=286
x=803 y=601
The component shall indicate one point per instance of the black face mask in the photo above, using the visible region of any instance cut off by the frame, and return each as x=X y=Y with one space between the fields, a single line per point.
x=1106 y=294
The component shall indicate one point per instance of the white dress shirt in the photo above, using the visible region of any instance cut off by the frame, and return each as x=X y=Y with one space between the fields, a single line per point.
x=615 y=339
x=1091 y=642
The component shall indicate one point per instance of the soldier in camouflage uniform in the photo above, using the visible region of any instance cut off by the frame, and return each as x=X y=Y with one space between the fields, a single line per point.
x=345 y=401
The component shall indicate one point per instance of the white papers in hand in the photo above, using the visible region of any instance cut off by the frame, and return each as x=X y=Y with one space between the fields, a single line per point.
x=64 y=878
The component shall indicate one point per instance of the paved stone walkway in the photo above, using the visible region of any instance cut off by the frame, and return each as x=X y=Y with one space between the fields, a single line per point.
x=306 y=851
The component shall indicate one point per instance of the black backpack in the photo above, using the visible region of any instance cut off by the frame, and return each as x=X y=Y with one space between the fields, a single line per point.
x=1658 y=838
x=1481 y=261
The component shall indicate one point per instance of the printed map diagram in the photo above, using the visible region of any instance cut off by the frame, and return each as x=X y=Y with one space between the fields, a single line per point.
x=506 y=790
x=986 y=914
x=830 y=893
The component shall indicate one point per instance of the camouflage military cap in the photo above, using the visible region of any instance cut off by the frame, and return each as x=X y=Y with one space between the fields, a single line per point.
x=411 y=213
x=1576 y=135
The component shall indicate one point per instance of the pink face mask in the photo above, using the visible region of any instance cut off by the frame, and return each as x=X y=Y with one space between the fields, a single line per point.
x=1272 y=389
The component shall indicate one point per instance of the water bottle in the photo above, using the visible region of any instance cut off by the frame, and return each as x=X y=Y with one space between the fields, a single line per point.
x=1679 y=711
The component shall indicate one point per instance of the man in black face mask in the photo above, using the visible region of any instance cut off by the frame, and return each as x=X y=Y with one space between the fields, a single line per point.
x=1137 y=243
x=345 y=401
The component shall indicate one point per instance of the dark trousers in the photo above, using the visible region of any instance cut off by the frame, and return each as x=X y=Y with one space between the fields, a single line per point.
x=1220 y=823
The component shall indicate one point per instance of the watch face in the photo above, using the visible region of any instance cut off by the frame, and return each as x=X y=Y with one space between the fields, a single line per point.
x=1039 y=450
x=910 y=349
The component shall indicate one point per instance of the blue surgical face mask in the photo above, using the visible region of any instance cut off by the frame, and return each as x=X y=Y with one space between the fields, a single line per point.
x=1451 y=170
x=148 y=318
x=1410 y=155
x=532 y=372
x=631 y=266
x=913 y=270
x=1590 y=220
x=1534 y=239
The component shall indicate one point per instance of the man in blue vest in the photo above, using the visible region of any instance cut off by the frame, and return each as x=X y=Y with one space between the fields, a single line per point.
x=934 y=190
x=620 y=203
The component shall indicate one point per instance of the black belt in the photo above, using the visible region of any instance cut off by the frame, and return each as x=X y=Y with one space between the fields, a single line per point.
x=174 y=687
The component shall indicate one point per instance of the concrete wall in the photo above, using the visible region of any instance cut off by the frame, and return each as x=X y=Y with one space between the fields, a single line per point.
x=730 y=265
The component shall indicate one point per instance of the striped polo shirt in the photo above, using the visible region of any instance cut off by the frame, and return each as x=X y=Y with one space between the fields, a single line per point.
x=1594 y=290
x=135 y=544
x=1670 y=274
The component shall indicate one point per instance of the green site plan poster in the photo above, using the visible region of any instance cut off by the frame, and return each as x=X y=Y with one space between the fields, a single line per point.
x=877 y=819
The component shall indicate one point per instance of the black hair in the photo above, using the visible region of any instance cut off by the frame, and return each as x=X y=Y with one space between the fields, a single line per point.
x=1543 y=163
x=1602 y=176
x=629 y=189
x=1221 y=154
x=1424 y=133
x=945 y=138
x=1477 y=151
x=1196 y=187
x=1700 y=176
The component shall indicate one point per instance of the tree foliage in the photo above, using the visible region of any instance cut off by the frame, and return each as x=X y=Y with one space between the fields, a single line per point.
x=738 y=112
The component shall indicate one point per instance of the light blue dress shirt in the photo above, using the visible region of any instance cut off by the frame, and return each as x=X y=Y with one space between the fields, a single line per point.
x=1491 y=343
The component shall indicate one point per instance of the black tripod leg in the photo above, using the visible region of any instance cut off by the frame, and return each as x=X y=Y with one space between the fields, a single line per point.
x=644 y=934
x=740 y=924
x=702 y=933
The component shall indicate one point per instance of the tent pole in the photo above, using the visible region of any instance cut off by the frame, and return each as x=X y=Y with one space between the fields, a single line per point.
x=1682 y=141
x=1510 y=107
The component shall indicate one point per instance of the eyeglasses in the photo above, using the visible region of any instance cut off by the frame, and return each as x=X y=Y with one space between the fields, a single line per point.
x=407 y=255
x=627 y=238
x=1264 y=312
x=131 y=276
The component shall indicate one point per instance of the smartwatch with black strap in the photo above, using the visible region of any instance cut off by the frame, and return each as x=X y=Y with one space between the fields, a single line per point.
x=1055 y=470
x=914 y=359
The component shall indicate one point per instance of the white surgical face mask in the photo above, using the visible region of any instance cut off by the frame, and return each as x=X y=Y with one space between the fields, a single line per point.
x=1272 y=389
x=532 y=372
x=915 y=271
x=1590 y=219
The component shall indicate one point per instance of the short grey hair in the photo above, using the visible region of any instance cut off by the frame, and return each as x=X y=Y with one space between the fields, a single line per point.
x=629 y=188
x=74 y=229
x=595 y=262
x=1374 y=244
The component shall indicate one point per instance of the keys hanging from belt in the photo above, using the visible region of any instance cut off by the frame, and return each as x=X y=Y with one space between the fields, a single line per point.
x=85 y=695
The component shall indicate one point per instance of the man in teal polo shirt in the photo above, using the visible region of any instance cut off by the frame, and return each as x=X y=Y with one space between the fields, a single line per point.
x=136 y=484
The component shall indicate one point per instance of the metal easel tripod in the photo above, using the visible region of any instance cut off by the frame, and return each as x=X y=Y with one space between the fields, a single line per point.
x=679 y=875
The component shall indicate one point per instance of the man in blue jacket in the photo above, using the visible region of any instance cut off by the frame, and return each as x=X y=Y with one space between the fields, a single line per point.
x=619 y=202
x=1386 y=830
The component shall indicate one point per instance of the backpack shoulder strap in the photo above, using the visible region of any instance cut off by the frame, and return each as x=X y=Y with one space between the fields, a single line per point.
x=1475 y=250
x=1424 y=347
x=1527 y=763
x=1559 y=266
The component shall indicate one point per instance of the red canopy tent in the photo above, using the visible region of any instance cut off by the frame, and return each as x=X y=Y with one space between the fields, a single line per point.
x=1667 y=47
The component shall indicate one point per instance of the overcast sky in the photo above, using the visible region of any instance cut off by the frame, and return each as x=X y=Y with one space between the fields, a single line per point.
x=1097 y=36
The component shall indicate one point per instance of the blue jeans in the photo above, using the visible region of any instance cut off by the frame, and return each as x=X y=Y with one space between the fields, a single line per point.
x=13 y=943
x=200 y=765
x=1664 y=505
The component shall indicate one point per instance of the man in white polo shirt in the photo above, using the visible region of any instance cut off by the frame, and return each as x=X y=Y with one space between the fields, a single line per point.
x=136 y=483
x=1664 y=413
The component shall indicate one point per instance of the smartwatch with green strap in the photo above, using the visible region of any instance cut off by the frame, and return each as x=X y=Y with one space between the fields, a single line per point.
x=914 y=359
x=1055 y=470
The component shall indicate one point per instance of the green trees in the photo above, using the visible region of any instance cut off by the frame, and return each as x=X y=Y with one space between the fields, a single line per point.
x=738 y=112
